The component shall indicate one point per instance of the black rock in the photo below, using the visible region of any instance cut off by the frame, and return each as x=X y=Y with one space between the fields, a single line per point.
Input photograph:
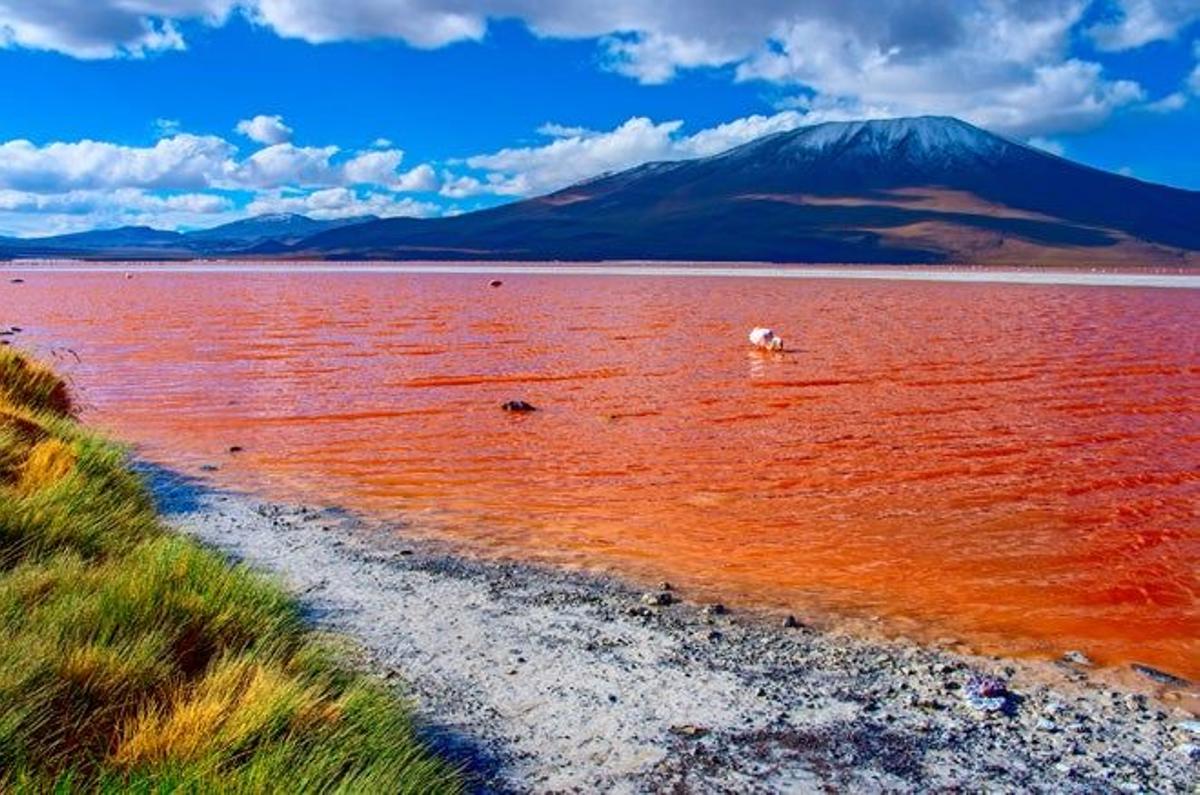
x=1162 y=677
x=495 y=283
x=237 y=448
x=519 y=406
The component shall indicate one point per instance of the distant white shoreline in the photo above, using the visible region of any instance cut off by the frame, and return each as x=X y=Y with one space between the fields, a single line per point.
x=891 y=273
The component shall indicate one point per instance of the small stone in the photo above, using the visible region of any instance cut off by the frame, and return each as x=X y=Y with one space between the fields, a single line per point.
x=658 y=598
x=1076 y=657
x=790 y=622
x=406 y=552
x=1192 y=726
x=17 y=281
x=711 y=636
x=1162 y=677
x=665 y=586
x=689 y=730
x=716 y=609
x=236 y=448
x=495 y=283
x=209 y=467
x=517 y=406
x=1189 y=751
x=1047 y=725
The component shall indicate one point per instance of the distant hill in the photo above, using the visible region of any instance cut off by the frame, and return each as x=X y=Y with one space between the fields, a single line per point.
x=142 y=242
x=918 y=190
x=276 y=227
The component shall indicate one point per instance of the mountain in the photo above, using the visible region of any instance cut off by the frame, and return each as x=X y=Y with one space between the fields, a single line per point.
x=129 y=242
x=918 y=190
x=927 y=189
x=278 y=227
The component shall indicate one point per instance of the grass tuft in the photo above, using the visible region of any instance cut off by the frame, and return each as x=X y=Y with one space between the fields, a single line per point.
x=137 y=660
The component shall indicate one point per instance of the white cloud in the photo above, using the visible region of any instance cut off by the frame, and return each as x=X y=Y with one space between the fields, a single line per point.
x=1193 y=80
x=575 y=153
x=1048 y=145
x=970 y=58
x=180 y=180
x=341 y=203
x=287 y=164
x=24 y=213
x=1168 y=104
x=1134 y=23
x=418 y=179
x=268 y=130
x=103 y=28
x=183 y=161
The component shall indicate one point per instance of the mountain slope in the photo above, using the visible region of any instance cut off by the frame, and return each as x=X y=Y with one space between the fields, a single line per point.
x=905 y=190
x=278 y=230
x=287 y=227
x=920 y=190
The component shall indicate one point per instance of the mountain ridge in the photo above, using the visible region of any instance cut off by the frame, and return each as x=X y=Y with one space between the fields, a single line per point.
x=915 y=190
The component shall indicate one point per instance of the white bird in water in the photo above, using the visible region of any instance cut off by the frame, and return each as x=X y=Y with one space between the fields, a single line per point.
x=765 y=339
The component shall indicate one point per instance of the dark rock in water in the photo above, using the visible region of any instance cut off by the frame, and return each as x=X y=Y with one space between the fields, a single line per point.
x=791 y=623
x=716 y=609
x=209 y=467
x=495 y=283
x=519 y=406
x=6 y=333
x=658 y=599
x=237 y=448
x=15 y=329
x=17 y=281
x=1162 y=677
x=665 y=586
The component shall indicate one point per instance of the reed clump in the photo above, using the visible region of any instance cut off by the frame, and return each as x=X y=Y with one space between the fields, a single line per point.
x=136 y=659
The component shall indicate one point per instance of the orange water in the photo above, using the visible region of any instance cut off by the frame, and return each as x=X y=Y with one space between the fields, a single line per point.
x=1014 y=465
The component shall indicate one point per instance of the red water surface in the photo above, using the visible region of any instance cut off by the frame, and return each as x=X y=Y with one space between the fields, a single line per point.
x=1015 y=465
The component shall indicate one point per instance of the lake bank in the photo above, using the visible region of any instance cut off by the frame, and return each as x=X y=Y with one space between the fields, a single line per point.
x=572 y=682
x=137 y=660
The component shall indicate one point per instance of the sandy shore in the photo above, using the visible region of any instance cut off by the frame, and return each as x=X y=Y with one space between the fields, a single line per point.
x=552 y=681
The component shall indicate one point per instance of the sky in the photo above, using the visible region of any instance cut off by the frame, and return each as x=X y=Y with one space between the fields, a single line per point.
x=184 y=114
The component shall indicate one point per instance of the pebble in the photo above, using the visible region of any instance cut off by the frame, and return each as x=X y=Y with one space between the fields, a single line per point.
x=1047 y=725
x=1189 y=751
x=717 y=609
x=236 y=448
x=1076 y=657
x=1192 y=726
x=790 y=622
x=658 y=598
x=518 y=406
x=1162 y=677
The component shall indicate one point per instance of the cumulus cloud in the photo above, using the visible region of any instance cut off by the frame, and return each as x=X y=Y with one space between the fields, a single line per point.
x=576 y=153
x=181 y=162
x=1134 y=23
x=264 y=129
x=183 y=179
x=969 y=58
x=103 y=28
x=341 y=203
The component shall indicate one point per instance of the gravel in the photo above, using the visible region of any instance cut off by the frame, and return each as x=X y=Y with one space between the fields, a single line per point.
x=541 y=680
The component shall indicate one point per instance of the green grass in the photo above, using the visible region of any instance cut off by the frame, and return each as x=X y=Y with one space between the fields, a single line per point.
x=134 y=659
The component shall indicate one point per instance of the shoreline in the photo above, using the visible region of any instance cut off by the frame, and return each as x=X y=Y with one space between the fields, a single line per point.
x=540 y=679
x=1167 y=277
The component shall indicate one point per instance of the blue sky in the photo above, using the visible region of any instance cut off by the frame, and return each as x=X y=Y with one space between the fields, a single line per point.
x=190 y=113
